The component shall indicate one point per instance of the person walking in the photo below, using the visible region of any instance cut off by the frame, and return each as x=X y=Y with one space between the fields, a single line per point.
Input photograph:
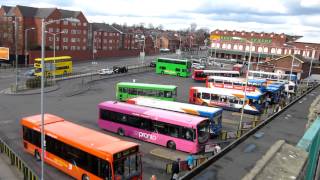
x=175 y=169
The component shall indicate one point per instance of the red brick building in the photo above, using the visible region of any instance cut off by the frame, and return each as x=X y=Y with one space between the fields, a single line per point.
x=265 y=45
x=74 y=37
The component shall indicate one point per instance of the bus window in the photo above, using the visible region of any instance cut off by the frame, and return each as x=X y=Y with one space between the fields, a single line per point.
x=205 y=96
x=214 y=97
x=168 y=94
x=141 y=92
x=161 y=128
x=160 y=93
x=198 y=95
x=173 y=130
x=132 y=91
x=178 y=69
x=219 y=81
x=162 y=67
x=187 y=134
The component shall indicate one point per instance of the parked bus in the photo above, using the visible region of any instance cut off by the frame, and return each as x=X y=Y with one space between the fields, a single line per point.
x=177 y=67
x=234 y=83
x=81 y=152
x=201 y=75
x=214 y=114
x=290 y=85
x=166 y=128
x=127 y=90
x=229 y=99
x=55 y=66
x=275 y=90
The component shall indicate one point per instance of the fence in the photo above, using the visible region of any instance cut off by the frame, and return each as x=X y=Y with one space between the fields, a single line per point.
x=16 y=160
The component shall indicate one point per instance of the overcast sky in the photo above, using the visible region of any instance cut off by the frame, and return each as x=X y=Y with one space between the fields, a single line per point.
x=293 y=17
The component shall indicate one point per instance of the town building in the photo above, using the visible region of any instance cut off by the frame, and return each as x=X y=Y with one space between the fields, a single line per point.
x=232 y=45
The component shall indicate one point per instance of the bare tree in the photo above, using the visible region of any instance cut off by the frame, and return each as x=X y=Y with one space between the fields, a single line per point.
x=160 y=27
x=150 y=26
x=193 y=27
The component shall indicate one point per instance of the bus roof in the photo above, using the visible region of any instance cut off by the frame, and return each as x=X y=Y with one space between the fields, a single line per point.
x=172 y=59
x=78 y=136
x=272 y=73
x=233 y=79
x=145 y=85
x=227 y=92
x=203 y=111
x=153 y=113
x=217 y=71
x=53 y=58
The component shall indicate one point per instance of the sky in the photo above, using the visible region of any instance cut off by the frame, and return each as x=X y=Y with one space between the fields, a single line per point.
x=293 y=17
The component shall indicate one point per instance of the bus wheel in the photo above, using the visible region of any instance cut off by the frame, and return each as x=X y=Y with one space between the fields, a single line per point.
x=121 y=132
x=171 y=145
x=37 y=155
x=162 y=72
x=85 y=177
x=178 y=74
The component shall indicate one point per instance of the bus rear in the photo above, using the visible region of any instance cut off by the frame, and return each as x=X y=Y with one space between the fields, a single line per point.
x=199 y=75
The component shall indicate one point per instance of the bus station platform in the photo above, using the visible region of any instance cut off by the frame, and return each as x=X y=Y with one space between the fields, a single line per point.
x=168 y=154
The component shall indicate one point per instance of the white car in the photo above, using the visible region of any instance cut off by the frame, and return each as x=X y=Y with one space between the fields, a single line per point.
x=197 y=66
x=105 y=71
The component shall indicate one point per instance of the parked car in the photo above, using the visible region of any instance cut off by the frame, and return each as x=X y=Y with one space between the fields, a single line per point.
x=105 y=71
x=153 y=64
x=29 y=72
x=119 y=69
x=197 y=66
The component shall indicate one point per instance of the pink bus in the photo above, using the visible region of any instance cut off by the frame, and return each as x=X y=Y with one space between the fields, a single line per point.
x=173 y=130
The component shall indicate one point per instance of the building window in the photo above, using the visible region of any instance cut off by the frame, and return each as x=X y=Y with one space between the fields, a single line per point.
x=73 y=24
x=50 y=38
x=110 y=48
x=225 y=32
x=260 y=49
x=84 y=48
x=271 y=35
x=229 y=46
x=279 y=51
x=84 y=40
x=57 y=47
x=73 y=40
x=273 y=50
x=233 y=33
x=105 y=34
x=251 y=34
x=64 y=47
x=65 y=40
x=78 y=48
x=247 y=48
x=50 y=29
x=242 y=33
x=110 y=41
x=65 y=31
x=65 y=22
x=240 y=47
x=235 y=47
x=84 y=32
x=57 y=39
x=84 y=24
x=50 y=47
x=266 y=50
x=95 y=32
x=281 y=36
x=57 y=30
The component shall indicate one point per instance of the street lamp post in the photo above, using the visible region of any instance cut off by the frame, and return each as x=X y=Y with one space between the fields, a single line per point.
x=16 y=48
x=54 y=53
x=310 y=68
x=26 y=45
x=245 y=88
x=43 y=29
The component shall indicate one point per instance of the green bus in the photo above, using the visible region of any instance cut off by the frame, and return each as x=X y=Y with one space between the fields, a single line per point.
x=127 y=90
x=177 y=67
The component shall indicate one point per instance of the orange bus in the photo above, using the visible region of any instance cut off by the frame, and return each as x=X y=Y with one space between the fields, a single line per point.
x=81 y=152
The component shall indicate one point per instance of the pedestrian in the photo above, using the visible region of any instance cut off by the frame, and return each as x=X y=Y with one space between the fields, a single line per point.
x=217 y=148
x=190 y=161
x=153 y=177
x=175 y=169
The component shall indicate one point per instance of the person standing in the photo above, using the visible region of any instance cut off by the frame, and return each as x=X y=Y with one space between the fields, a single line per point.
x=175 y=169
x=190 y=160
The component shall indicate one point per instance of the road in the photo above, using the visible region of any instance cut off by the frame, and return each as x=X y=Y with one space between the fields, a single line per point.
x=81 y=109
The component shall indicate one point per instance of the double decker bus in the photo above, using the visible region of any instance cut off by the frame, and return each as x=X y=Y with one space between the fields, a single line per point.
x=81 y=152
x=290 y=84
x=214 y=114
x=239 y=67
x=177 y=67
x=229 y=99
x=201 y=75
x=173 y=130
x=127 y=90
x=54 y=66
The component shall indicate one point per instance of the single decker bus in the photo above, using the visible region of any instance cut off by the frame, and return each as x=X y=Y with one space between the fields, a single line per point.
x=127 y=90
x=214 y=114
x=81 y=152
x=173 y=130
x=201 y=75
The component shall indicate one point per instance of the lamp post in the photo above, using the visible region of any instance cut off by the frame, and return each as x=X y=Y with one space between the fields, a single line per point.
x=54 y=53
x=310 y=68
x=26 y=45
x=245 y=88
x=16 y=48
x=43 y=29
x=293 y=57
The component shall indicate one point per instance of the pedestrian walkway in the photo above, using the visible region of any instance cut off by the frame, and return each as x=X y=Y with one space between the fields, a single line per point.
x=6 y=171
x=168 y=154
